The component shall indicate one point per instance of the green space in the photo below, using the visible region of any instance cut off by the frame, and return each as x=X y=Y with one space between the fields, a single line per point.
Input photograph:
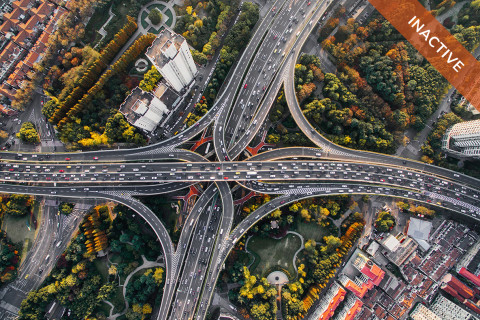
x=98 y=19
x=274 y=252
x=16 y=228
x=159 y=6
x=143 y=21
x=156 y=30
x=80 y=273
x=118 y=301
x=311 y=230
x=101 y=267
x=162 y=207
x=169 y=14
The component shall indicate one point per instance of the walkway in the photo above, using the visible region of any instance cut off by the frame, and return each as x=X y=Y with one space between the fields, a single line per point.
x=145 y=265
x=167 y=6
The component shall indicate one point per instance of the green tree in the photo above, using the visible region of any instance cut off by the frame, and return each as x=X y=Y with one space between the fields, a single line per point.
x=28 y=133
x=155 y=16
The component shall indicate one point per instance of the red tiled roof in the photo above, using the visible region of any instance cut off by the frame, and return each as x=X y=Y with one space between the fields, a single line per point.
x=31 y=23
x=374 y=273
x=357 y=306
x=14 y=15
x=333 y=304
x=459 y=286
x=452 y=292
x=21 y=37
x=472 y=306
x=44 y=9
x=21 y=3
x=6 y=110
x=5 y=27
x=9 y=93
x=359 y=291
x=31 y=58
x=470 y=276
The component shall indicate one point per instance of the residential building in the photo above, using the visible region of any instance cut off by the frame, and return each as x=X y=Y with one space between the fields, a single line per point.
x=370 y=275
x=447 y=310
x=420 y=312
x=143 y=109
x=399 y=248
x=462 y=140
x=171 y=55
x=27 y=25
x=420 y=230
x=351 y=308
x=329 y=302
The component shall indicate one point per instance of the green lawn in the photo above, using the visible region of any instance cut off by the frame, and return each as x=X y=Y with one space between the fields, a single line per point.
x=97 y=20
x=273 y=252
x=156 y=5
x=102 y=269
x=17 y=229
x=144 y=22
x=169 y=21
x=311 y=230
x=156 y=31
x=104 y=308
x=115 y=258
x=118 y=301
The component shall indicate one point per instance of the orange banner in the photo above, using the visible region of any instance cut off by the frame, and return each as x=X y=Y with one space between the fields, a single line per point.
x=436 y=44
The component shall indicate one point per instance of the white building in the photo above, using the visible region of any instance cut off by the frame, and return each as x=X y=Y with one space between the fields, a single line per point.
x=143 y=110
x=420 y=312
x=447 y=310
x=463 y=140
x=170 y=54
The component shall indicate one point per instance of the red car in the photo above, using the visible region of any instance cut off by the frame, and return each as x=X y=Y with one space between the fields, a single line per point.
x=225 y=178
x=274 y=37
x=273 y=9
x=95 y=158
x=61 y=170
x=48 y=178
x=67 y=159
x=11 y=169
x=309 y=3
x=245 y=86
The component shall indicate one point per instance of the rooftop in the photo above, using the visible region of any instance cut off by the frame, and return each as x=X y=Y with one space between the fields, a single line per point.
x=419 y=229
x=164 y=47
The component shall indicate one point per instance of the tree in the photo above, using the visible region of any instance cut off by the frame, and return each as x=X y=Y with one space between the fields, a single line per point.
x=146 y=309
x=385 y=221
x=28 y=133
x=150 y=79
x=155 y=16
x=332 y=243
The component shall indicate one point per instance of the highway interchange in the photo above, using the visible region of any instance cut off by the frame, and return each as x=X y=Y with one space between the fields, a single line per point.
x=238 y=115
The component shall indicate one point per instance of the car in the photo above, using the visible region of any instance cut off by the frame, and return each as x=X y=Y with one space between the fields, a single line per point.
x=245 y=86
x=61 y=170
x=218 y=168
x=274 y=8
x=274 y=37
x=309 y=3
x=11 y=169
x=95 y=158
x=225 y=178
x=226 y=157
x=67 y=159
x=282 y=202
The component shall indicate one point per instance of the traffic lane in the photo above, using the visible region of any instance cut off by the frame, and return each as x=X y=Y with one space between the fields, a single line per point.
x=256 y=170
